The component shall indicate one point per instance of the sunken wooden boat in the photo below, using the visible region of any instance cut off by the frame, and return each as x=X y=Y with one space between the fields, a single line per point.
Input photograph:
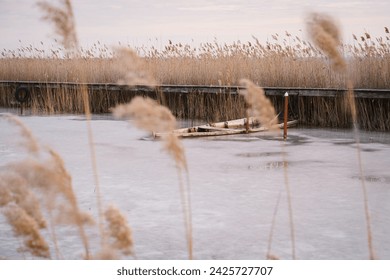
x=232 y=127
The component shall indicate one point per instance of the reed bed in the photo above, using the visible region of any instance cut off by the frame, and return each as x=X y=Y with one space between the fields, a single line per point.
x=281 y=62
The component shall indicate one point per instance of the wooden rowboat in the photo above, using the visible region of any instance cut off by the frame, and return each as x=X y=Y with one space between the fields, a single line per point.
x=224 y=128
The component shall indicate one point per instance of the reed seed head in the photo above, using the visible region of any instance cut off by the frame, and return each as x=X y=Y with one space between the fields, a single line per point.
x=15 y=190
x=25 y=226
x=64 y=23
x=325 y=33
x=119 y=230
x=44 y=174
x=106 y=253
x=29 y=140
x=147 y=114
x=132 y=68
x=258 y=104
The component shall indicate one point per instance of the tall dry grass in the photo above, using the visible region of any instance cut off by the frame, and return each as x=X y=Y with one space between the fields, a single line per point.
x=62 y=18
x=64 y=22
x=326 y=35
x=288 y=61
x=43 y=171
x=53 y=177
x=280 y=62
x=148 y=115
x=324 y=32
x=41 y=181
x=261 y=107
x=119 y=230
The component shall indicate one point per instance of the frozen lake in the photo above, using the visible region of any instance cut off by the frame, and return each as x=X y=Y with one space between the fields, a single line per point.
x=235 y=182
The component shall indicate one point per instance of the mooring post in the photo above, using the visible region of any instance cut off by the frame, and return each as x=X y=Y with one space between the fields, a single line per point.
x=285 y=116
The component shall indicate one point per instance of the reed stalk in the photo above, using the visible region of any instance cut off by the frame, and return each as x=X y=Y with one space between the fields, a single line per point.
x=352 y=108
x=44 y=173
x=325 y=34
x=91 y=145
x=148 y=115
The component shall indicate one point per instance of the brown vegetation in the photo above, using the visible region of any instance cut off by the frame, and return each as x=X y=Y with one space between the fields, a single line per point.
x=289 y=62
x=147 y=114
x=325 y=34
x=42 y=181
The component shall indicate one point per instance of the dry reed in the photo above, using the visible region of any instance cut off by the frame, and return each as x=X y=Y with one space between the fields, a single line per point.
x=87 y=112
x=350 y=97
x=13 y=190
x=289 y=62
x=64 y=23
x=261 y=108
x=42 y=180
x=132 y=69
x=63 y=19
x=65 y=27
x=24 y=225
x=289 y=204
x=279 y=62
x=147 y=114
x=324 y=32
x=258 y=104
x=119 y=231
x=43 y=173
x=269 y=255
x=30 y=143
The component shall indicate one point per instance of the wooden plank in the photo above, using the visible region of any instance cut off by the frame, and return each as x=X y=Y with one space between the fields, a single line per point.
x=232 y=124
x=188 y=133
x=204 y=128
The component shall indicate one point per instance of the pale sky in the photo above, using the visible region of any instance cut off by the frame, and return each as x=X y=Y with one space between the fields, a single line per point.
x=187 y=21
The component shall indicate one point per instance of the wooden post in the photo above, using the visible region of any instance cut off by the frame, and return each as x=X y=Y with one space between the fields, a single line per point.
x=285 y=116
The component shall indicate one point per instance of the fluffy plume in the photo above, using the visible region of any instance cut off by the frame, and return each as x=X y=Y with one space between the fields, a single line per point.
x=132 y=68
x=325 y=33
x=147 y=114
x=44 y=174
x=25 y=226
x=258 y=104
x=29 y=140
x=64 y=23
x=14 y=190
x=106 y=253
x=119 y=230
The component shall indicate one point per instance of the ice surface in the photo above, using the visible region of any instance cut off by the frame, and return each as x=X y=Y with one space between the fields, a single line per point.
x=235 y=181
